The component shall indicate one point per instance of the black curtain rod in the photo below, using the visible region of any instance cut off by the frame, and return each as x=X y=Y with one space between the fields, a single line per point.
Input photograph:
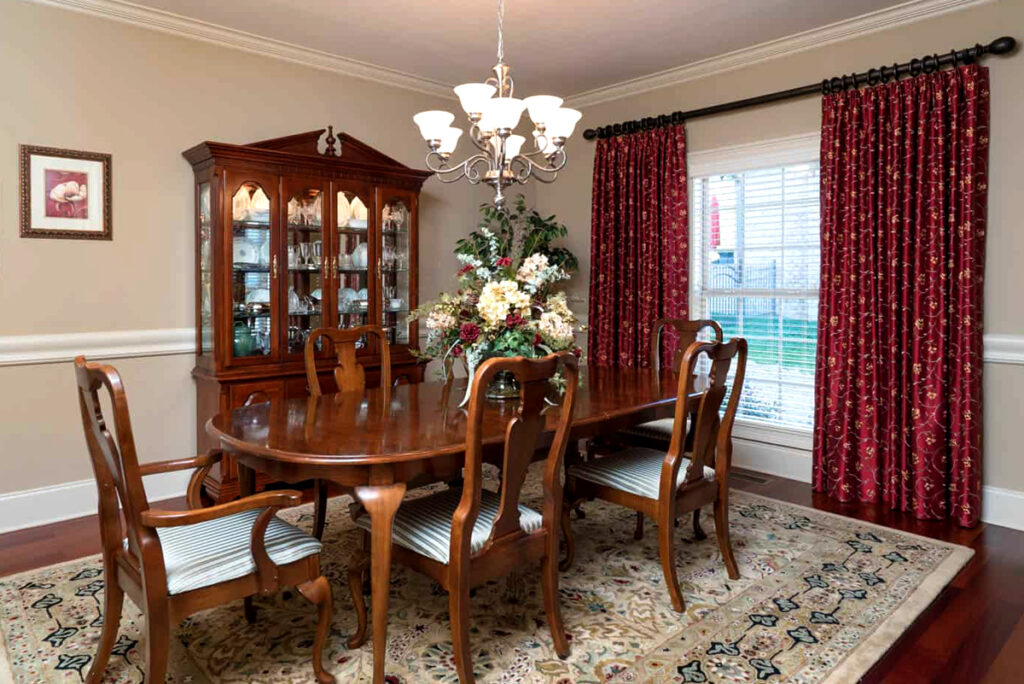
x=926 y=65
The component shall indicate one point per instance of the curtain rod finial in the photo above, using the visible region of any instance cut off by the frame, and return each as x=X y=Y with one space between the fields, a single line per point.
x=1002 y=46
x=589 y=134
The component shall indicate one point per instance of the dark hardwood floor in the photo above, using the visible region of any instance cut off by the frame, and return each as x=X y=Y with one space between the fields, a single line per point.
x=973 y=632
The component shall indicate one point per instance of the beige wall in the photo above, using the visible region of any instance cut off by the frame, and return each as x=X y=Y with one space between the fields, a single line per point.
x=71 y=80
x=1004 y=384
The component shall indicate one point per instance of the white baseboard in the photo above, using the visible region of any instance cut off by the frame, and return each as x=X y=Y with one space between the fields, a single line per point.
x=998 y=506
x=1002 y=507
x=34 y=507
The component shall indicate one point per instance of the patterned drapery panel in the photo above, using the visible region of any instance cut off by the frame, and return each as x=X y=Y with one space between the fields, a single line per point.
x=638 y=250
x=899 y=360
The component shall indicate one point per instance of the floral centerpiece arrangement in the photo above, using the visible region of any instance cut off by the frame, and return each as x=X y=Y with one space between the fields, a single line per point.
x=507 y=303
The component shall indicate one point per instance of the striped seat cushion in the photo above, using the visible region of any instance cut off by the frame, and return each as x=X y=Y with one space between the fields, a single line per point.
x=656 y=429
x=424 y=525
x=218 y=550
x=636 y=470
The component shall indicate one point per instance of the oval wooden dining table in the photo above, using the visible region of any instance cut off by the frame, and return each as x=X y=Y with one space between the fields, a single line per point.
x=381 y=442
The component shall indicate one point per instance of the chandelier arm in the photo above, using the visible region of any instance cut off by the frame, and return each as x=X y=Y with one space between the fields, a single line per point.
x=480 y=142
x=471 y=164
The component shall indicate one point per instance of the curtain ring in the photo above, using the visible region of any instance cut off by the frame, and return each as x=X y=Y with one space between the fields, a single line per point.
x=956 y=59
x=915 y=67
x=617 y=129
x=872 y=77
x=895 y=71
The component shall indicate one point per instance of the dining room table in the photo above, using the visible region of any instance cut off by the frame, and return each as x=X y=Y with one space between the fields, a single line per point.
x=380 y=443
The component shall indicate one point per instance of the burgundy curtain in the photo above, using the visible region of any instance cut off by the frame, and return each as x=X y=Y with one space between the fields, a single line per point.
x=638 y=243
x=898 y=386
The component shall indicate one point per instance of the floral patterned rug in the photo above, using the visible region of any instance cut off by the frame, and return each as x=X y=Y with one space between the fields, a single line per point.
x=821 y=598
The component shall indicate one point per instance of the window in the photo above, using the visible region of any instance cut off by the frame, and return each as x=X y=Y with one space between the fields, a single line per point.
x=755 y=270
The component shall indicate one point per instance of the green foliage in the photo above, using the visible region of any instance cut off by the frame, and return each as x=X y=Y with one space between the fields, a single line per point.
x=520 y=232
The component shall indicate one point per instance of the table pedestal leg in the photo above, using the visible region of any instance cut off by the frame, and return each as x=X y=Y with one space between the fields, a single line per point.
x=380 y=502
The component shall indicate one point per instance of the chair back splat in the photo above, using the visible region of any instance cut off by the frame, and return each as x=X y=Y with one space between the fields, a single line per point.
x=348 y=373
x=522 y=436
x=686 y=330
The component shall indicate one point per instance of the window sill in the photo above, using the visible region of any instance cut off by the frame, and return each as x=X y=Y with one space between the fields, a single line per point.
x=766 y=433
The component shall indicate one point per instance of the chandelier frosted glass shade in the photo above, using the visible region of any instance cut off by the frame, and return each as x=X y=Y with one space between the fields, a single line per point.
x=562 y=122
x=473 y=95
x=433 y=124
x=498 y=158
x=541 y=106
x=449 y=140
x=503 y=112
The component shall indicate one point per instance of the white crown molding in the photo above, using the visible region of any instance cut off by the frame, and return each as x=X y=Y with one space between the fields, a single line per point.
x=907 y=13
x=21 y=350
x=178 y=25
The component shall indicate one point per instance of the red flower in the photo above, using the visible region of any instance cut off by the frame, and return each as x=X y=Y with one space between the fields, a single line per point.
x=457 y=351
x=503 y=262
x=512 y=320
x=577 y=352
x=469 y=332
x=465 y=269
x=537 y=340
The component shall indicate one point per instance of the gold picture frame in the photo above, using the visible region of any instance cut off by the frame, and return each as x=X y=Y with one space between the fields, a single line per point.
x=58 y=193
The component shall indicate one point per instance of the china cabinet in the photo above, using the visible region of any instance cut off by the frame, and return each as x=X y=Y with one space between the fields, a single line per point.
x=295 y=234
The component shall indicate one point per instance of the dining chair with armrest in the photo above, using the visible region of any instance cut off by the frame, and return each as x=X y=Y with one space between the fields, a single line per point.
x=693 y=472
x=349 y=376
x=174 y=563
x=463 y=537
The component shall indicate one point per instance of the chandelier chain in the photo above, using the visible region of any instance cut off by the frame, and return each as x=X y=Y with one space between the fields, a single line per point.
x=501 y=38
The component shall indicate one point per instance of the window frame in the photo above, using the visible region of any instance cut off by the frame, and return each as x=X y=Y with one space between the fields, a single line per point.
x=797 y=149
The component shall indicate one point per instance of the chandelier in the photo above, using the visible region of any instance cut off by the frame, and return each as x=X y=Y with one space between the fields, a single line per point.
x=493 y=114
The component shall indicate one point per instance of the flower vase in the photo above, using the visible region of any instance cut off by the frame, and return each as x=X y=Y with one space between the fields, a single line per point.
x=503 y=386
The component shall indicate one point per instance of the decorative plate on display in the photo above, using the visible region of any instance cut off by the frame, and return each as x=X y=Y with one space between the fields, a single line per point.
x=244 y=253
x=346 y=297
x=258 y=296
x=360 y=255
x=357 y=223
x=358 y=211
x=344 y=211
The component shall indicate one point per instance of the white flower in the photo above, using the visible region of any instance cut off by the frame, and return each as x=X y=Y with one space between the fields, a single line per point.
x=556 y=329
x=440 y=320
x=536 y=270
x=500 y=298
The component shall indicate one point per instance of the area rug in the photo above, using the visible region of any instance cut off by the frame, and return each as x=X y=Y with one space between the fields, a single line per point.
x=820 y=599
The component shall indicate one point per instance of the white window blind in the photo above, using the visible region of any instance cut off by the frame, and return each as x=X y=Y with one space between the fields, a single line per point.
x=755 y=270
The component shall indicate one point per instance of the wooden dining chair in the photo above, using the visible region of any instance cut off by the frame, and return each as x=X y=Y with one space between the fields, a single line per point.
x=175 y=563
x=349 y=376
x=692 y=473
x=658 y=433
x=466 y=536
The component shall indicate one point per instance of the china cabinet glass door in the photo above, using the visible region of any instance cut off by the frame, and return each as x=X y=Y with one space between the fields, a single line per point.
x=395 y=260
x=306 y=284
x=352 y=256
x=205 y=227
x=253 y=274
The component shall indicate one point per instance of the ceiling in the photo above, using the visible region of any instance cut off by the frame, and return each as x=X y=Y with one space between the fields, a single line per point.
x=563 y=47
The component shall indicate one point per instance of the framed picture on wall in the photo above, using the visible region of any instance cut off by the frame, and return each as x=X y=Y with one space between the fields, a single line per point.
x=64 y=193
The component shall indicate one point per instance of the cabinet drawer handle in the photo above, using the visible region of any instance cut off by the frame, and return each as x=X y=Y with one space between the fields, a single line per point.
x=273 y=268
